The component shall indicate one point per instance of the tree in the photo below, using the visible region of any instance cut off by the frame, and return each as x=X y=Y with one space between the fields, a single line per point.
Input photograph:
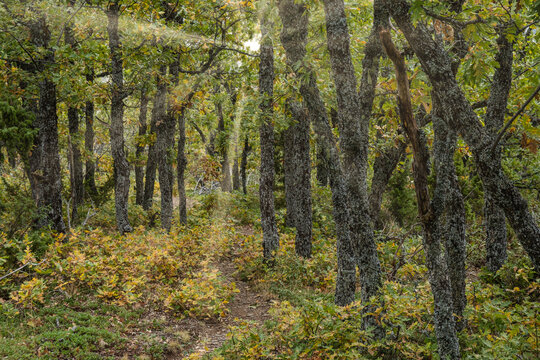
x=121 y=165
x=266 y=130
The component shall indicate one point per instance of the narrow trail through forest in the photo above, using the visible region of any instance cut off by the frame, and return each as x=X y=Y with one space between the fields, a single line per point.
x=247 y=305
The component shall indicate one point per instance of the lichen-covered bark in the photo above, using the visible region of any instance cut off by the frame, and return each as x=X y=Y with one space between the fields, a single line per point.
x=452 y=224
x=90 y=166
x=437 y=65
x=44 y=161
x=383 y=167
x=429 y=212
x=266 y=130
x=293 y=36
x=322 y=165
x=354 y=112
x=139 y=150
x=299 y=190
x=116 y=130
x=496 y=237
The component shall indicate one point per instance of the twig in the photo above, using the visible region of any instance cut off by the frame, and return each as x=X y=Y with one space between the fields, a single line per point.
x=22 y=267
x=509 y=123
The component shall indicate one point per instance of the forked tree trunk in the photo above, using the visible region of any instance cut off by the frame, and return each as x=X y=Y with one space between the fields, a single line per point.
x=139 y=150
x=116 y=130
x=266 y=185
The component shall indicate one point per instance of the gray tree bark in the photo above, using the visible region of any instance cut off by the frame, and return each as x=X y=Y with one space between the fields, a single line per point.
x=139 y=150
x=266 y=130
x=429 y=212
x=116 y=130
x=437 y=64
x=298 y=178
x=452 y=221
x=236 y=173
x=165 y=145
x=44 y=161
x=496 y=237
x=75 y=161
x=354 y=112
x=90 y=167
x=383 y=168
x=158 y=114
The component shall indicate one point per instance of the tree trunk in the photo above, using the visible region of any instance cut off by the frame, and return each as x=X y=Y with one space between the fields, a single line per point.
x=496 y=236
x=223 y=149
x=384 y=166
x=429 y=213
x=181 y=167
x=139 y=151
x=438 y=66
x=75 y=163
x=243 y=164
x=266 y=185
x=90 y=173
x=116 y=130
x=322 y=165
x=76 y=167
x=452 y=224
x=158 y=115
x=354 y=110
x=236 y=172
x=44 y=160
x=294 y=38
x=301 y=169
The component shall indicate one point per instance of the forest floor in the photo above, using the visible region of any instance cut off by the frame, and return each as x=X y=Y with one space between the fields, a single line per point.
x=202 y=291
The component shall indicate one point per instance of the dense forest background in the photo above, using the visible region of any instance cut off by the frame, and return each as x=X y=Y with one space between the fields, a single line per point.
x=273 y=179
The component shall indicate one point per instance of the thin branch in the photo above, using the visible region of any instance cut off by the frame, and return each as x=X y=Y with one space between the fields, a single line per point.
x=22 y=267
x=509 y=123
x=67 y=22
x=22 y=47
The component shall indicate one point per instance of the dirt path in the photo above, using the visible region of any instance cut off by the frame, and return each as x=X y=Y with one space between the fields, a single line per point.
x=247 y=305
